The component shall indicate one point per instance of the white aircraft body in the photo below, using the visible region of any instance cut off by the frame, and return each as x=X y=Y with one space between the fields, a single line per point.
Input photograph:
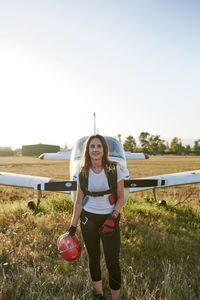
x=116 y=153
x=135 y=155
x=57 y=155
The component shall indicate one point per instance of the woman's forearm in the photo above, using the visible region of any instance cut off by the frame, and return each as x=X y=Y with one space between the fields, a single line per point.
x=119 y=204
x=78 y=206
x=76 y=213
x=120 y=196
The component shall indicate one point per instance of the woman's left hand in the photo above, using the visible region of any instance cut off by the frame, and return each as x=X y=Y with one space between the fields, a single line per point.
x=109 y=224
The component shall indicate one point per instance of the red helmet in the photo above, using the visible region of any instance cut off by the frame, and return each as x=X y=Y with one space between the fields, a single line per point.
x=69 y=247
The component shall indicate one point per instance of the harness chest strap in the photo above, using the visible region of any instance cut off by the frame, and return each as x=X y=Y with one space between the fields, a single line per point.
x=112 y=182
x=98 y=194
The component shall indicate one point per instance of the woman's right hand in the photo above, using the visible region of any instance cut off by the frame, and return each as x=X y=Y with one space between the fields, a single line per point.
x=71 y=230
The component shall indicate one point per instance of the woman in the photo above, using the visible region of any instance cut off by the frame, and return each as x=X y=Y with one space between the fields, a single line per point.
x=99 y=212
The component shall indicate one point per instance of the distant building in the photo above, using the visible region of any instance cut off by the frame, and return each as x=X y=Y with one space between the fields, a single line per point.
x=6 y=151
x=37 y=149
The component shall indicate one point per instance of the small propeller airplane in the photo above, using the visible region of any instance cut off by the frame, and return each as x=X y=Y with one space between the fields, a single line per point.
x=116 y=153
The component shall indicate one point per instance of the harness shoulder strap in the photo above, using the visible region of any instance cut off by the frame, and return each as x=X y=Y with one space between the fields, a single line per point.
x=112 y=176
x=112 y=179
x=83 y=182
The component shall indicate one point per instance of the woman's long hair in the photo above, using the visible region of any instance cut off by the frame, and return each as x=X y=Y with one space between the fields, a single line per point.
x=86 y=161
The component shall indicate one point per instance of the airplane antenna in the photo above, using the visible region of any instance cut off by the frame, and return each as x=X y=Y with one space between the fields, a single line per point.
x=95 y=123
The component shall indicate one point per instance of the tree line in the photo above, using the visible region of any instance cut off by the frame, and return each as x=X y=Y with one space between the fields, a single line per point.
x=153 y=145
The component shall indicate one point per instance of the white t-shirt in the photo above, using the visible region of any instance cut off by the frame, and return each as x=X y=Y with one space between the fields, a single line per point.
x=97 y=183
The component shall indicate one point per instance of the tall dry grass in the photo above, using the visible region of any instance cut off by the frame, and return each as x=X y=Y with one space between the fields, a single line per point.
x=160 y=245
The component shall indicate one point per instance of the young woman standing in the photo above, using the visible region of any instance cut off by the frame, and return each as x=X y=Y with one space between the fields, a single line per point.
x=98 y=208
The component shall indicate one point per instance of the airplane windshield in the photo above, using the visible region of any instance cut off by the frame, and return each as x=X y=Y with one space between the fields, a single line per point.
x=115 y=148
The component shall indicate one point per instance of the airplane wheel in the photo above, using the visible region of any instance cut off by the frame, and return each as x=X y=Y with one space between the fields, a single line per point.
x=31 y=205
x=162 y=203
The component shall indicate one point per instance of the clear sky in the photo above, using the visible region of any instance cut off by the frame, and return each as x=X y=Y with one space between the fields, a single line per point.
x=135 y=63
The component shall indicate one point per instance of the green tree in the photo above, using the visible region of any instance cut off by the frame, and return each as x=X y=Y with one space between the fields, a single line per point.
x=196 y=147
x=129 y=144
x=187 y=149
x=155 y=144
x=143 y=138
x=162 y=147
x=167 y=150
x=176 y=146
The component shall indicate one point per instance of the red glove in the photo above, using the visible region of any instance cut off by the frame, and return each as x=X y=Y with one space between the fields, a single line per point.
x=109 y=224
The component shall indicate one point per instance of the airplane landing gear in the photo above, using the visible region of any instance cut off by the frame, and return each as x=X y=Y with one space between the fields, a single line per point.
x=31 y=204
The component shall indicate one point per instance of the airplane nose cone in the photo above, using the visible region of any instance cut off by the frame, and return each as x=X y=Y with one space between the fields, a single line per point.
x=42 y=156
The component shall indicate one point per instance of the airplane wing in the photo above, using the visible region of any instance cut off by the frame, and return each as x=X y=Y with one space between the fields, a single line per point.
x=65 y=155
x=49 y=184
x=13 y=179
x=173 y=179
x=130 y=155
x=57 y=155
x=134 y=185
x=138 y=184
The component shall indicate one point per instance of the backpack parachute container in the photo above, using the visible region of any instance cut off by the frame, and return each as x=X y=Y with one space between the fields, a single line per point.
x=69 y=247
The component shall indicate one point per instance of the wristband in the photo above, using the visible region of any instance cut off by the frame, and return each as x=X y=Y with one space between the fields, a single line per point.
x=115 y=214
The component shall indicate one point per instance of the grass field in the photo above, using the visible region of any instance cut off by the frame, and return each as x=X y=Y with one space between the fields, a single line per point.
x=160 y=245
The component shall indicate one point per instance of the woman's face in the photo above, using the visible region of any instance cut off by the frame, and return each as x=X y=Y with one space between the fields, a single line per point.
x=95 y=149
